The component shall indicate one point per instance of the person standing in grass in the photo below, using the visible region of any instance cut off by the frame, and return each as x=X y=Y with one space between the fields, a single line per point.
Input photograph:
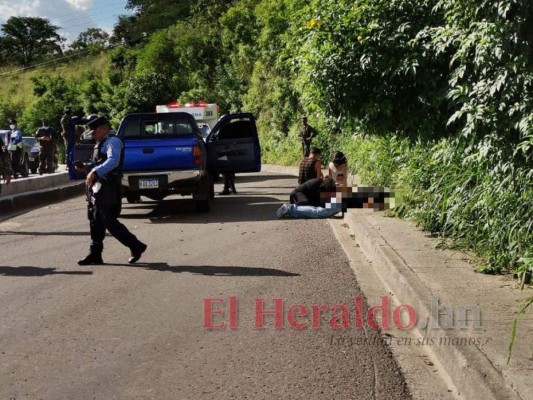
x=307 y=135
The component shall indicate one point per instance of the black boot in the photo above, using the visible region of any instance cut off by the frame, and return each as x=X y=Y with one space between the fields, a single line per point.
x=232 y=186
x=225 y=192
x=137 y=253
x=91 y=259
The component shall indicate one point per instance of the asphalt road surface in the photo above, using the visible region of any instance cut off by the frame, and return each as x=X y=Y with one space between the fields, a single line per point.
x=118 y=331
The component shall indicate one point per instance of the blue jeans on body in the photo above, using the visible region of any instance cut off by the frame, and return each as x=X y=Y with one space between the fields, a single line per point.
x=312 y=212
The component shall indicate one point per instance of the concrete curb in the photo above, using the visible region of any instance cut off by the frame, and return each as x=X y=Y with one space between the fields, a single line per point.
x=468 y=368
x=34 y=183
x=24 y=194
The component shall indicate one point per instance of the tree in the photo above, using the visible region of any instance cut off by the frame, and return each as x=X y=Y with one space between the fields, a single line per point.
x=124 y=31
x=153 y=15
x=92 y=38
x=28 y=39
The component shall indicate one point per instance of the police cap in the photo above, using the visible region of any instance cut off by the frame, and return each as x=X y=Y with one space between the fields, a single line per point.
x=95 y=123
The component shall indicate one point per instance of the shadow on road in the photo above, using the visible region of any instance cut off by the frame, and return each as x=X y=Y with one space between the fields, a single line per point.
x=36 y=271
x=258 y=202
x=212 y=270
x=259 y=178
x=26 y=233
x=239 y=208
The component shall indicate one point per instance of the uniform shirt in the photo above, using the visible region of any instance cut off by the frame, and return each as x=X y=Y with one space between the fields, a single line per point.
x=112 y=147
x=308 y=132
x=16 y=136
x=45 y=132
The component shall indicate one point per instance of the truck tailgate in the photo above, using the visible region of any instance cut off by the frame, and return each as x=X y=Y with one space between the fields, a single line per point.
x=160 y=154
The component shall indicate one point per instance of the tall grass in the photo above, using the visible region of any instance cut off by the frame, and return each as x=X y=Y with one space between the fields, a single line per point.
x=468 y=197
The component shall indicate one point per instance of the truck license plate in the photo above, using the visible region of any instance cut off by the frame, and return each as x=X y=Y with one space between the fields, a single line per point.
x=151 y=183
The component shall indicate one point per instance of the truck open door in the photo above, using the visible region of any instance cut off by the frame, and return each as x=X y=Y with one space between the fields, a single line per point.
x=233 y=145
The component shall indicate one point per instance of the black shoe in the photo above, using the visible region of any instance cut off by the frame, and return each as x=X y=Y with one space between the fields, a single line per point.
x=136 y=254
x=225 y=192
x=91 y=259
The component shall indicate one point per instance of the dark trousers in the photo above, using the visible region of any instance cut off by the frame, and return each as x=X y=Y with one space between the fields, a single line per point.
x=46 y=158
x=229 y=181
x=15 y=160
x=306 y=148
x=104 y=215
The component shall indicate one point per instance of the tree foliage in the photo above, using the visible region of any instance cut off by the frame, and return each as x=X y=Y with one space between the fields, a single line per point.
x=29 y=39
x=93 y=39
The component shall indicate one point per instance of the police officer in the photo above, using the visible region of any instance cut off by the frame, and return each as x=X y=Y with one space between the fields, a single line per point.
x=45 y=135
x=104 y=194
x=5 y=164
x=15 y=144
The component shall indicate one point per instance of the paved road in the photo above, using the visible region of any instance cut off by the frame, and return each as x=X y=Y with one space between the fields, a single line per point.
x=137 y=332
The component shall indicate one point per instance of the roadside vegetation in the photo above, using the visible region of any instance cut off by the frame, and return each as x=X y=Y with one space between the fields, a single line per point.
x=431 y=97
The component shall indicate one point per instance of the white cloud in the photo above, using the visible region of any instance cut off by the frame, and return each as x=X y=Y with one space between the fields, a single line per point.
x=22 y=8
x=81 y=4
x=71 y=16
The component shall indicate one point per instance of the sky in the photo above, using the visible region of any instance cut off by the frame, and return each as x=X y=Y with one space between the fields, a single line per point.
x=71 y=16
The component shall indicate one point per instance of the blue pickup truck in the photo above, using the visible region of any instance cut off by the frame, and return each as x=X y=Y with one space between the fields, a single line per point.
x=165 y=154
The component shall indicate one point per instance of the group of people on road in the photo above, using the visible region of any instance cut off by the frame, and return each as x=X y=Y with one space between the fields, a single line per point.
x=316 y=196
x=103 y=175
x=13 y=150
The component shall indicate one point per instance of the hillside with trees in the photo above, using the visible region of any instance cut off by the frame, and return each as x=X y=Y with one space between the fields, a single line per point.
x=432 y=97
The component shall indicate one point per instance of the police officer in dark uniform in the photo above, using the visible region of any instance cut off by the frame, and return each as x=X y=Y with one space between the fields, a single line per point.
x=104 y=195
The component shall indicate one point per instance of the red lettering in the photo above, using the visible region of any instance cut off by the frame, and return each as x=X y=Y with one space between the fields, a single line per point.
x=344 y=317
x=260 y=312
x=233 y=321
x=209 y=312
x=384 y=308
x=296 y=311
x=358 y=312
x=398 y=314
x=316 y=310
